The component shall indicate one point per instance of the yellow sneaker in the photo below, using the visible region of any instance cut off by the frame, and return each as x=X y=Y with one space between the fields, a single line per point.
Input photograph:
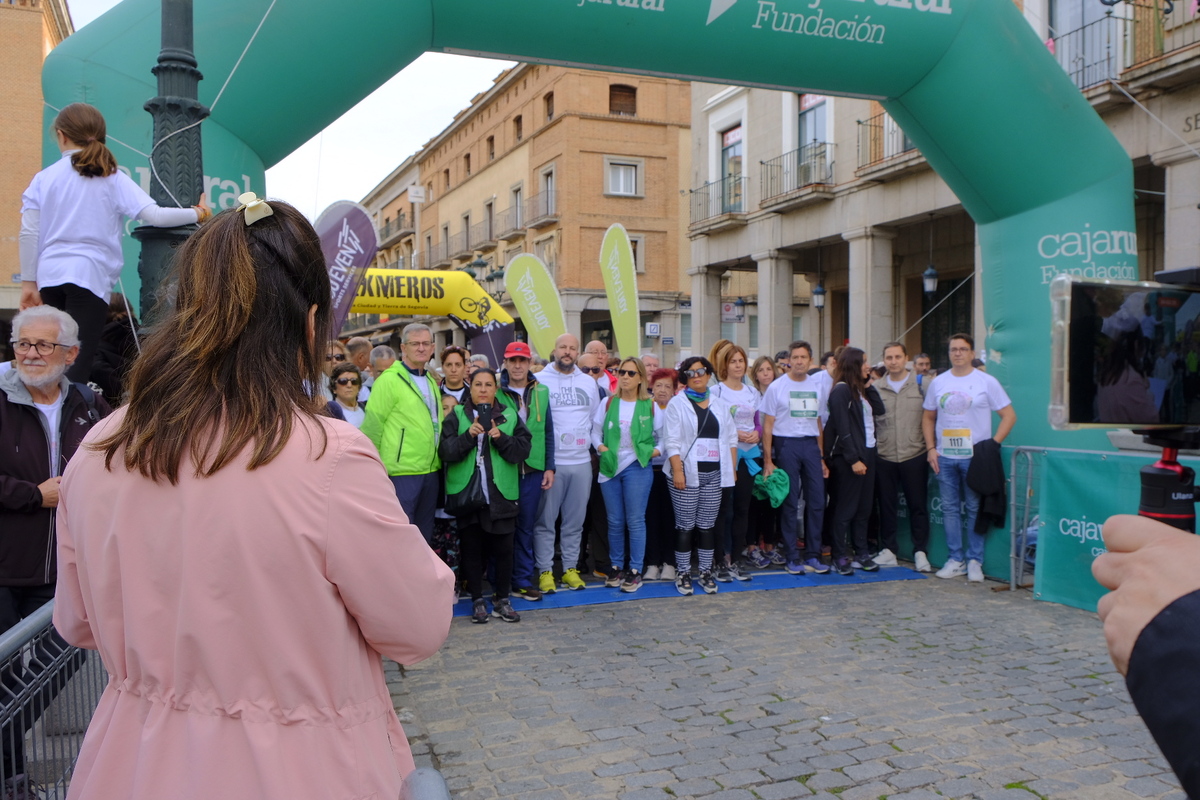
x=546 y=583
x=572 y=580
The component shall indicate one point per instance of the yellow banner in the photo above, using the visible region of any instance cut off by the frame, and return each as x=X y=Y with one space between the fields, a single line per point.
x=536 y=297
x=442 y=293
x=620 y=283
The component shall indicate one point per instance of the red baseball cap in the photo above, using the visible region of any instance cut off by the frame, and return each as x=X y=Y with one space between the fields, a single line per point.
x=518 y=350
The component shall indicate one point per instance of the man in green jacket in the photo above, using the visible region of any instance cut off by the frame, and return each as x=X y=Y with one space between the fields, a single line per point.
x=403 y=420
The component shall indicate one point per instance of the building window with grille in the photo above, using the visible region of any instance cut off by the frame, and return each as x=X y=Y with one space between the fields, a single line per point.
x=446 y=177
x=518 y=128
x=622 y=100
x=549 y=101
x=467 y=164
x=623 y=176
x=491 y=148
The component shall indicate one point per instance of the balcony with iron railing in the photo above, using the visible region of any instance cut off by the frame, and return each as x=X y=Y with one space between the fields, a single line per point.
x=439 y=255
x=1164 y=44
x=541 y=210
x=392 y=231
x=718 y=205
x=1097 y=52
x=884 y=151
x=799 y=178
x=459 y=245
x=510 y=224
x=482 y=236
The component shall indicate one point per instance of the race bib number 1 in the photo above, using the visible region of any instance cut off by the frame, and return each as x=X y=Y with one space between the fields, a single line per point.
x=956 y=443
x=803 y=405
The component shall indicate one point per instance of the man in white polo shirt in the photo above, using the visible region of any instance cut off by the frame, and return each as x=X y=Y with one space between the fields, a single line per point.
x=958 y=414
x=792 y=412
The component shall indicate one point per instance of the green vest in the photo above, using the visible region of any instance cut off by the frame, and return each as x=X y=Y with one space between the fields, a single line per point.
x=538 y=410
x=504 y=474
x=641 y=431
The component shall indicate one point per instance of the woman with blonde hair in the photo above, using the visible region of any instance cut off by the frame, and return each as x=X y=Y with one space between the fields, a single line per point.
x=72 y=221
x=625 y=434
x=762 y=552
x=239 y=559
x=743 y=400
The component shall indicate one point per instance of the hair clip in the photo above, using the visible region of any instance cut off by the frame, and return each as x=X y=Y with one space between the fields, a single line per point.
x=256 y=208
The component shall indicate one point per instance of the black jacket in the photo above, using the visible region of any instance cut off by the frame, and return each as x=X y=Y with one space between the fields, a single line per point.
x=455 y=446
x=28 y=545
x=845 y=433
x=1162 y=682
x=985 y=476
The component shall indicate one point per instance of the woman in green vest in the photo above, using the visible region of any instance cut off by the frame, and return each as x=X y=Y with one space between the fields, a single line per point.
x=623 y=433
x=482 y=434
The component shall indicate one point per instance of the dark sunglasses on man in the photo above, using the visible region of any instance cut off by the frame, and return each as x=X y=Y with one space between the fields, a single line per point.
x=593 y=370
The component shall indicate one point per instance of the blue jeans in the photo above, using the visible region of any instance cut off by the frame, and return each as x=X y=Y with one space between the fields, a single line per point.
x=626 y=495
x=523 y=575
x=952 y=478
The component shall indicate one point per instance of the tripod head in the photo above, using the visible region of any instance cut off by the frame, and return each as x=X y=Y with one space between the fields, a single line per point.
x=1169 y=493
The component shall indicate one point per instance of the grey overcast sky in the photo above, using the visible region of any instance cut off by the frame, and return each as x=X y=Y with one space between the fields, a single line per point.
x=353 y=154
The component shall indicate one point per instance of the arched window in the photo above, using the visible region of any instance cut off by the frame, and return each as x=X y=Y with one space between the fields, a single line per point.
x=622 y=100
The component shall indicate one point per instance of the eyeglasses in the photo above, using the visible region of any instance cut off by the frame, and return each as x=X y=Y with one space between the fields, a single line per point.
x=699 y=372
x=42 y=348
x=349 y=382
x=335 y=357
x=960 y=349
x=418 y=344
x=593 y=370
x=628 y=373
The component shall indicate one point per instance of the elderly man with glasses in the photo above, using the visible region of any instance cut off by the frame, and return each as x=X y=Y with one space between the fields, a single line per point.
x=404 y=421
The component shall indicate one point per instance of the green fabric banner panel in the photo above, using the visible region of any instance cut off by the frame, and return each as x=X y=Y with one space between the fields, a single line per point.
x=536 y=299
x=1078 y=492
x=620 y=284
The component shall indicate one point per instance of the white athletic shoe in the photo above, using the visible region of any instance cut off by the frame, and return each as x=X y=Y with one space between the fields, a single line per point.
x=974 y=571
x=667 y=574
x=651 y=573
x=885 y=558
x=952 y=569
x=921 y=562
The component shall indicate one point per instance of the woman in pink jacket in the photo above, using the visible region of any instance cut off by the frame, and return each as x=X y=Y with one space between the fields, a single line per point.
x=240 y=560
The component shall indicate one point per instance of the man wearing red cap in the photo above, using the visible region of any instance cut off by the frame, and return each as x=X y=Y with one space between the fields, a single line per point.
x=531 y=400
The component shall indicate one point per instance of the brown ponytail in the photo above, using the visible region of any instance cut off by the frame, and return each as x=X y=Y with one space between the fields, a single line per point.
x=83 y=125
x=227 y=368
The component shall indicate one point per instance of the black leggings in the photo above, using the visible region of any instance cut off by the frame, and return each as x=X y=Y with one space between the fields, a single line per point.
x=480 y=547
x=90 y=313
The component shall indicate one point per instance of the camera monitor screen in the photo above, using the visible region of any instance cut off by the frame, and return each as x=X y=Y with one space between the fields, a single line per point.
x=1132 y=355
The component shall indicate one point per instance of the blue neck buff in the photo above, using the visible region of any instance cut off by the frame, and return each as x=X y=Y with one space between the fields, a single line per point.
x=694 y=396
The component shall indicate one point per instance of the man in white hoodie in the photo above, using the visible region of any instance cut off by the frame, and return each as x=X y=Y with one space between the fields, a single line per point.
x=574 y=397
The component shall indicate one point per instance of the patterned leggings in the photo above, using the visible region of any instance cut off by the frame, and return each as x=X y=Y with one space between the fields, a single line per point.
x=697 y=507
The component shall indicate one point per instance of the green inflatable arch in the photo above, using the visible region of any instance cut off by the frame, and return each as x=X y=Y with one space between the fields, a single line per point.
x=967 y=80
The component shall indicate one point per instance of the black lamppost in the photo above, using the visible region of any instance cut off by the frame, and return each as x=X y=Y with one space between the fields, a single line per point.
x=176 y=164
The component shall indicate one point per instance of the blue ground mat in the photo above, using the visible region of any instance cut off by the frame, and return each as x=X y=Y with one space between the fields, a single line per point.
x=596 y=594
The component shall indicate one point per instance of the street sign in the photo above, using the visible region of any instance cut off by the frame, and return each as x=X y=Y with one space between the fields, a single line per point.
x=416 y=194
x=652 y=330
x=731 y=312
x=668 y=341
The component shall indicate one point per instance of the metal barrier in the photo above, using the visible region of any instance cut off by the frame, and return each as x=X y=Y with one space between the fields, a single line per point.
x=48 y=691
x=1022 y=508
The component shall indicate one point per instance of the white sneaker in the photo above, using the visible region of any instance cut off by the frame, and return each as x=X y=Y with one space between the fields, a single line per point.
x=974 y=571
x=667 y=574
x=952 y=569
x=921 y=562
x=651 y=573
x=885 y=558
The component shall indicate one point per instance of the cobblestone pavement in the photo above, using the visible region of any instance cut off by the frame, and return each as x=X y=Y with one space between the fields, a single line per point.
x=916 y=689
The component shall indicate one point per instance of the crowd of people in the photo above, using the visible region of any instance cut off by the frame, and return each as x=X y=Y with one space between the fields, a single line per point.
x=538 y=476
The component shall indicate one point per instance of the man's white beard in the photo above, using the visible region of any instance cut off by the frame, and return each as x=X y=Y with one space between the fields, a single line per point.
x=43 y=381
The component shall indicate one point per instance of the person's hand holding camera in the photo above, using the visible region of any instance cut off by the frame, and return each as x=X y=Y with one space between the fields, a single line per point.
x=1148 y=566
